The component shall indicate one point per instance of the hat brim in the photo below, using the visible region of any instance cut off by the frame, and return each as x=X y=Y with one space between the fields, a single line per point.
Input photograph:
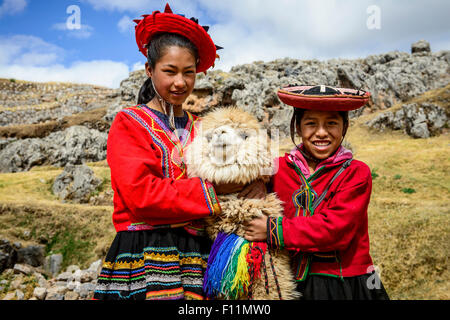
x=159 y=22
x=343 y=100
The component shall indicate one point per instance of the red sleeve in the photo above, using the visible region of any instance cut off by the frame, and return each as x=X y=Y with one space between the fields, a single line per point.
x=136 y=176
x=336 y=221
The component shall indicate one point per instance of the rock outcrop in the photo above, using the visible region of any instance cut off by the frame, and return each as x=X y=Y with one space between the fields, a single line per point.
x=75 y=145
x=417 y=120
x=76 y=183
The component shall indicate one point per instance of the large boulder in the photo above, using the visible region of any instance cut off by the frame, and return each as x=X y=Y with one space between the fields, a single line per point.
x=421 y=46
x=8 y=255
x=76 y=183
x=417 y=120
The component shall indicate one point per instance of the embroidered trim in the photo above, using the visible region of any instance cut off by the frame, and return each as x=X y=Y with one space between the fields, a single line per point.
x=210 y=197
x=143 y=226
x=165 y=166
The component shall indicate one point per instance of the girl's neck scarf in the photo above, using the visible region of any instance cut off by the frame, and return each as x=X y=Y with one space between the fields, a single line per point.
x=299 y=159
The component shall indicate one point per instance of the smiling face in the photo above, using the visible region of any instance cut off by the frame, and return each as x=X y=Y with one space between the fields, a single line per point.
x=321 y=132
x=174 y=74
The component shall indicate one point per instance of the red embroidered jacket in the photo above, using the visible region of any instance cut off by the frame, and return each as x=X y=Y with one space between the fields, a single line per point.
x=334 y=239
x=148 y=175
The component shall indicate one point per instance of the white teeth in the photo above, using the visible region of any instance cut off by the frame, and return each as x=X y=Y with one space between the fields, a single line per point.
x=321 y=143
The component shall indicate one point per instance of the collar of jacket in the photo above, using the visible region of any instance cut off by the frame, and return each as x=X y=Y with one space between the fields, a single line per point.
x=295 y=156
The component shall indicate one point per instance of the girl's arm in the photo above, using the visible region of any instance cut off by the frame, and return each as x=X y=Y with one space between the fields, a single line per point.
x=331 y=228
x=135 y=166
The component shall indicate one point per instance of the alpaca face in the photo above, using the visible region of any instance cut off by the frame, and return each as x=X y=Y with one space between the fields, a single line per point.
x=230 y=147
x=224 y=144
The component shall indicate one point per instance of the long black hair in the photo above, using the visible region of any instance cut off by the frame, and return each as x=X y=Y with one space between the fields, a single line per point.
x=155 y=50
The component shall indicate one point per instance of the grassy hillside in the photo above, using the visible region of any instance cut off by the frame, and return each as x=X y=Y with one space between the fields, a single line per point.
x=408 y=216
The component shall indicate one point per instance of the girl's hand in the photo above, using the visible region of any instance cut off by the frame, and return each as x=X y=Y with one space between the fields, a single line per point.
x=255 y=190
x=256 y=229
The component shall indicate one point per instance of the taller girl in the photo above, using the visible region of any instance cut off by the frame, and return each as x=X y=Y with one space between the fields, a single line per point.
x=159 y=251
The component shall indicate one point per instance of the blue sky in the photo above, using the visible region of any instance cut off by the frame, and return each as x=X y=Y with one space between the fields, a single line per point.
x=35 y=44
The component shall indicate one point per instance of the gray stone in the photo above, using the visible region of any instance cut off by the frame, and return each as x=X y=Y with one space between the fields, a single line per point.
x=420 y=46
x=88 y=276
x=23 y=269
x=8 y=255
x=417 y=120
x=19 y=295
x=33 y=255
x=74 y=285
x=53 y=263
x=85 y=289
x=70 y=295
x=64 y=276
x=56 y=293
x=76 y=183
x=40 y=293
x=96 y=266
x=75 y=145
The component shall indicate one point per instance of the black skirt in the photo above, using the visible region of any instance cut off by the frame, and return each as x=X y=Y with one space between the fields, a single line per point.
x=363 y=287
x=164 y=264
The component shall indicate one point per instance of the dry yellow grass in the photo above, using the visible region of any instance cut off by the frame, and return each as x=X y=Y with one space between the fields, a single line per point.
x=409 y=212
x=30 y=213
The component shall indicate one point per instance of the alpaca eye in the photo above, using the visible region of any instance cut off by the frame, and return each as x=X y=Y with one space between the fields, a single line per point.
x=243 y=135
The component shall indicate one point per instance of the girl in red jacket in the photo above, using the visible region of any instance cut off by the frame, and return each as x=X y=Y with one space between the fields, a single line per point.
x=159 y=251
x=326 y=194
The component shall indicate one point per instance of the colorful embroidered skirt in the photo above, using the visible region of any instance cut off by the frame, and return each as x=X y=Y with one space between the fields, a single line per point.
x=162 y=264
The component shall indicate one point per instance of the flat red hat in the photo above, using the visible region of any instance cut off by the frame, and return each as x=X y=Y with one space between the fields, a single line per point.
x=323 y=98
x=168 y=22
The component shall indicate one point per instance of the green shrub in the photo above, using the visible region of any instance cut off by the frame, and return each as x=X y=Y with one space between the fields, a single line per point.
x=374 y=173
x=408 y=190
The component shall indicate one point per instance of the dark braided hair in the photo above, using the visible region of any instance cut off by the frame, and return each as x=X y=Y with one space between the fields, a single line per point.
x=155 y=50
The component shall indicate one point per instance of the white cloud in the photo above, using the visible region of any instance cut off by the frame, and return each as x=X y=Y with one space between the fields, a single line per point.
x=12 y=7
x=84 y=32
x=30 y=58
x=28 y=50
x=138 y=66
x=126 y=25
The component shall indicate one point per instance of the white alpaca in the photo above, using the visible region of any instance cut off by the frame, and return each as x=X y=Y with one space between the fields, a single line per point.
x=231 y=147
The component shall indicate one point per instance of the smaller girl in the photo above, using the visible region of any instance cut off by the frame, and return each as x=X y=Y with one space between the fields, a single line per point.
x=326 y=194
